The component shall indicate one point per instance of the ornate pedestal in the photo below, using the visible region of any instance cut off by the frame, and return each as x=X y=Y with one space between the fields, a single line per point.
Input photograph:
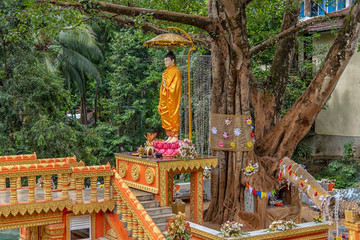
x=156 y=176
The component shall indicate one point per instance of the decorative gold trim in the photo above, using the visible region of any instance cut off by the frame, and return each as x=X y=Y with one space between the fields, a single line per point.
x=34 y=161
x=135 y=172
x=192 y=197
x=30 y=220
x=35 y=207
x=141 y=187
x=188 y=165
x=122 y=169
x=84 y=208
x=149 y=175
x=92 y=174
x=163 y=187
x=135 y=160
x=200 y=197
x=33 y=172
x=112 y=233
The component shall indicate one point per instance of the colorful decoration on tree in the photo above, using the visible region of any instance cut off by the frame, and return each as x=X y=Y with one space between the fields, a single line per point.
x=260 y=194
x=225 y=135
x=292 y=172
x=237 y=132
x=248 y=121
x=233 y=131
x=251 y=169
x=214 y=130
x=228 y=121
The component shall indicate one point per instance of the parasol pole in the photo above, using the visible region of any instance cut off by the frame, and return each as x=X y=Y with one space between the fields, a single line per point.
x=189 y=96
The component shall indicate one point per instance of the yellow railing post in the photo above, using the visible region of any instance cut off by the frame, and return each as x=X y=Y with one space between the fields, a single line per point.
x=107 y=188
x=2 y=183
x=79 y=187
x=32 y=183
x=65 y=184
x=130 y=220
x=93 y=189
x=13 y=191
x=18 y=182
x=135 y=228
x=47 y=183
x=124 y=215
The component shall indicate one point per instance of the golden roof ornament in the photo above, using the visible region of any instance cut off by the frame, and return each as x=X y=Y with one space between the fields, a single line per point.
x=168 y=40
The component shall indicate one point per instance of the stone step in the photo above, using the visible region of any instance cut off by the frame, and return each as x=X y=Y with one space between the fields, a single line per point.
x=150 y=204
x=142 y=196
x=162 y=218
x=162 y=226
x=158 y=211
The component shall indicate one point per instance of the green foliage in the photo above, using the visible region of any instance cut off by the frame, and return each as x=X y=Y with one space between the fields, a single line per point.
x=133 y=86
x=345 y=170
x=302 y=152
x=34 y=102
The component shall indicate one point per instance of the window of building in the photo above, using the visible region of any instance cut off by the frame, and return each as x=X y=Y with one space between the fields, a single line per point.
x=318 y=7
x=80 y=228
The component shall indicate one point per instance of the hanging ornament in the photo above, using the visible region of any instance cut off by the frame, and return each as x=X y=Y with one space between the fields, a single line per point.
x=221 y=144
x=249 y=144
x=214 y=130
x=228 y=121
x=232 y=144
x=252 y=134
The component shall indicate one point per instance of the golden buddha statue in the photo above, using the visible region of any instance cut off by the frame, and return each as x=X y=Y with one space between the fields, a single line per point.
x=170 y=97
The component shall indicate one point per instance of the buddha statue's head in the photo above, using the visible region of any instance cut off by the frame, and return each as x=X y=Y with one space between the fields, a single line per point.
x=169 y=59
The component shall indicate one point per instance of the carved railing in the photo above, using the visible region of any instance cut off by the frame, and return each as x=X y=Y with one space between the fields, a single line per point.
x=132 y=212
x=99 y=198
x=21 y=200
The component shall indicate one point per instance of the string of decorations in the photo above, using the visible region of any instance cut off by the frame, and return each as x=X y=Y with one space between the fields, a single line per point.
x=260 y=194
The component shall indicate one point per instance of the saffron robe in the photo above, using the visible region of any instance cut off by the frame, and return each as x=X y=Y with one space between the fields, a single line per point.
x=170 y=97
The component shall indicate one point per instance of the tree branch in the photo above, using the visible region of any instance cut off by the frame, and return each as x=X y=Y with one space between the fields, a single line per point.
x=79 y=23
x=285 y=136
x=188 y=19
x=148 y=27
x=301 y=25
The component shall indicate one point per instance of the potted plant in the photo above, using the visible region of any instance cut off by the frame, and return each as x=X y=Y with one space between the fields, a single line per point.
x=178 y=228
x=329 y=182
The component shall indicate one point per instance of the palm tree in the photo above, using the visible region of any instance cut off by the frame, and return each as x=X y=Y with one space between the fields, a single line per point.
x=77 y=54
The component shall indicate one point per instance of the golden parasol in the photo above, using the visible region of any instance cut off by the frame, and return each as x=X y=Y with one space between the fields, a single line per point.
x=171 y=40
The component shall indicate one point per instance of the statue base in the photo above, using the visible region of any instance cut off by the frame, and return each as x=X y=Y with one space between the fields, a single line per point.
x=167 y=149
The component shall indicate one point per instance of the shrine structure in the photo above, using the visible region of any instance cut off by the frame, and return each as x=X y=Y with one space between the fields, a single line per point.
x=76 y=207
